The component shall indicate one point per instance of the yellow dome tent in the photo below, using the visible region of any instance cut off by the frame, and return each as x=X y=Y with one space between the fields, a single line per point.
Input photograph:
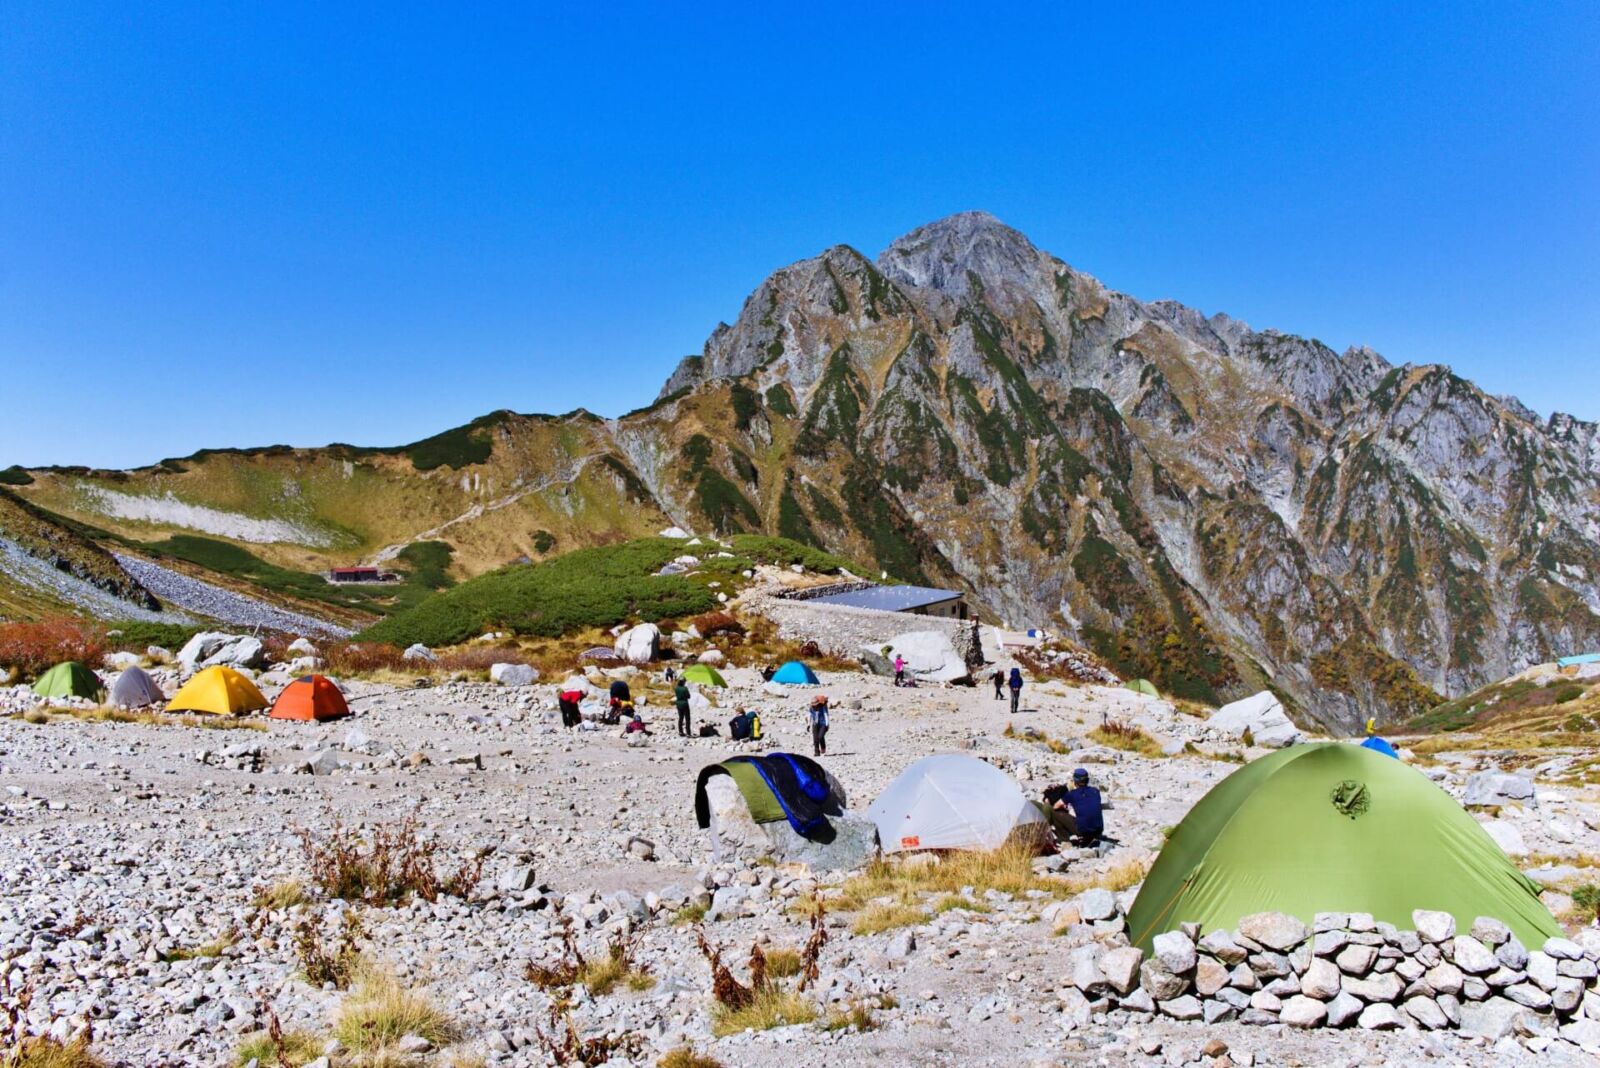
x=220 y=691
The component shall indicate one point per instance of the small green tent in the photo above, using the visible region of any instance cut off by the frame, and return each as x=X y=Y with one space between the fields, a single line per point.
x=68 y=679
x=1332 y=827
x=704 y=674
x=1144 y=686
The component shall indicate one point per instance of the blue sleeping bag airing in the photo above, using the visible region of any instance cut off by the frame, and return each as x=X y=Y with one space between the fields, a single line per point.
x=801 y=787
x=1378 y=745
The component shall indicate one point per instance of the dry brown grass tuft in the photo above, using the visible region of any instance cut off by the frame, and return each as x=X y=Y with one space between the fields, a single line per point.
x=1039 y=737
x=770 y=1007
x=391 y=865
x=296 y=1048
x=783 y=962
x=875 y=919
x=857 y=1017
x=214 y=948
x=686 y=1057
x=37 y=1051
x=1127 y=737
x=338 y=962
x=1120 y=876
x=283 y=894
x=1008 y=870
x=381 y=1010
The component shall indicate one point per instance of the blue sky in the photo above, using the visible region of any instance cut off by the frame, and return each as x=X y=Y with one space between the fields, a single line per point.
x=248 y=224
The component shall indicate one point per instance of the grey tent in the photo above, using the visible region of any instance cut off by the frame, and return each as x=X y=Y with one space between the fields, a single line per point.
x=134 y=688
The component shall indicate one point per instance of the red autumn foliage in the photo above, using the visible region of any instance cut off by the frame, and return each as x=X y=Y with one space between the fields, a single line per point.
x=32 y=648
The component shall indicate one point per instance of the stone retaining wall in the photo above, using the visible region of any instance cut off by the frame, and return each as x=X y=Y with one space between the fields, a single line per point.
x=1347 y=970
x=840 y=630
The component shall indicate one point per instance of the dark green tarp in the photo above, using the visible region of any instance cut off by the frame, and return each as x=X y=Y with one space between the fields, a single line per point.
x=1332 y=827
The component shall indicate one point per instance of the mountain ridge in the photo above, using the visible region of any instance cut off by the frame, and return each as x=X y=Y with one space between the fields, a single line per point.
x=1213 y=506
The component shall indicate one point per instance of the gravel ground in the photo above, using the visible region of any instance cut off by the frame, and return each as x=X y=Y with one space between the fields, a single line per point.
x=122 y=842
x=231 y=608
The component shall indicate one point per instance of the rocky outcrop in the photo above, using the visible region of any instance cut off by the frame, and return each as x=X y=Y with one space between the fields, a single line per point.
x=1205 y=504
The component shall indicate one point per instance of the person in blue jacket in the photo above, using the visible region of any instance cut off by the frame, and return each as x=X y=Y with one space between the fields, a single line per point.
x=1076 y=811
x=1015 y=683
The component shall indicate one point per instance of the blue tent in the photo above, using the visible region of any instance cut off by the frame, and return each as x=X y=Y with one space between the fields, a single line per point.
x=794 y=673
x=1378 y=745
x=1575 y=661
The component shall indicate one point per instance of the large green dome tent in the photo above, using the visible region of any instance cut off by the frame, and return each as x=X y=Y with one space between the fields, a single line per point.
x=1332 y=827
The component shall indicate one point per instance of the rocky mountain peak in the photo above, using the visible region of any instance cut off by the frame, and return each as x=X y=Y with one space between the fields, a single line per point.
x=945 y=255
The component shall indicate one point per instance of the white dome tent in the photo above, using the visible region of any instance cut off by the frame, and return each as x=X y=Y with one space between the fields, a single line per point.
x=951 y=802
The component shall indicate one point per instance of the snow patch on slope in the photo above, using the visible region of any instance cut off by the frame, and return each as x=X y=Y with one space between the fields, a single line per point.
x=168 y=510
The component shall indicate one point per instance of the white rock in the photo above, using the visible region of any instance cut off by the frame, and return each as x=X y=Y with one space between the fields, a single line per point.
x=1321 y=980
x=1302 y=1011
x=930 y=656
x=1434 y=926
x=513 y=674
x=1262 y=715
x=418 y=652
x=1472 y=956
x=1174 y=950
x=639 y=645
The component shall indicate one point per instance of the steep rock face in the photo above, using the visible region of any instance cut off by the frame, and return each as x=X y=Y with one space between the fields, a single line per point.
x=1215 y=506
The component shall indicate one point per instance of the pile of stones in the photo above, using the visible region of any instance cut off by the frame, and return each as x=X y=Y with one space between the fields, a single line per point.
x=1349 y=970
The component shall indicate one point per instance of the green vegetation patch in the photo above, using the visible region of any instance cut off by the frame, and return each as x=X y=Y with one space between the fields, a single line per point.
x=596 y=587
x=746 y=404
x=429 y=562
x=427 y=568
x=136 y=637
x=781 y=401
x=15 y=476
x=458 y=447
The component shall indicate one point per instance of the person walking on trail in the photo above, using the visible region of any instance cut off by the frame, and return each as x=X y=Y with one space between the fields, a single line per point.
x=680 y=696
x=899 y=670
x=1076 y=811
x=999 y=680
x=1016 y=688
x=819 y=725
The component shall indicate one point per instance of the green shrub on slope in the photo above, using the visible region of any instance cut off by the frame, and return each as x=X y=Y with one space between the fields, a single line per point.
x=596 y=587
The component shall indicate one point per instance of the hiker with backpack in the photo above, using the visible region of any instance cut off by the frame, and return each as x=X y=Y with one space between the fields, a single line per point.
x=680 y=697
x=819 y=725
x=1015 y=683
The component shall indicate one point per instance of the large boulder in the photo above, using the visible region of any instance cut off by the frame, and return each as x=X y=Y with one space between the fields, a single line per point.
x=513 y=674
x=734 y=834
x=1262 y=716
x=418 y=652
x=1498 y=788
x=210 y=649
x=639 y=645
x=930 y=656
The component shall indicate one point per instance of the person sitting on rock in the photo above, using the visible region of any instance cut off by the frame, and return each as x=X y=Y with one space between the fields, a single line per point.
x=1076 y=811
x=635 y=725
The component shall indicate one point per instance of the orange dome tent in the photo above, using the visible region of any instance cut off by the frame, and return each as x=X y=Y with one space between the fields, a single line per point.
x=310 y=697
x=220 y=691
